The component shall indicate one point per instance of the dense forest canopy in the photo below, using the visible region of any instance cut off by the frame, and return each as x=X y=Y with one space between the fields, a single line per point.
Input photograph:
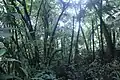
x=59 y=39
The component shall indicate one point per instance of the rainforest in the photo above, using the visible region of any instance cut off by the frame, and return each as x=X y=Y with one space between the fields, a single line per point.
x=59 y=39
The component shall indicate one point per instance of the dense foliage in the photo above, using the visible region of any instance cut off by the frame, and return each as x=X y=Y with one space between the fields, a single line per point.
x=59 y=40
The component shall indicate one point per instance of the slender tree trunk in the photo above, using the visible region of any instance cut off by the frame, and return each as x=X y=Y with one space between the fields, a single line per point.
x=76 y=57
x=71 y=45
x=93 y=40
x=49 y=51
x=63 y=46
x=114 y=43
x=101 y=30
x=84 y=39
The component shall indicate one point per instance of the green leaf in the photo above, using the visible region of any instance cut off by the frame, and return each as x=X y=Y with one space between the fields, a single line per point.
x=22 y=71
x=2 y=45
x=2 y=52
x=12 y=60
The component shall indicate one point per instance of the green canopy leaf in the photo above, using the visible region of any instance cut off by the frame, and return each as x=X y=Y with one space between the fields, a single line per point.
x=2 y=52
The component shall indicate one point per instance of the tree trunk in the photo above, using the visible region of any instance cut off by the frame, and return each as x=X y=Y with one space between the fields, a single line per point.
x=71 y=45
